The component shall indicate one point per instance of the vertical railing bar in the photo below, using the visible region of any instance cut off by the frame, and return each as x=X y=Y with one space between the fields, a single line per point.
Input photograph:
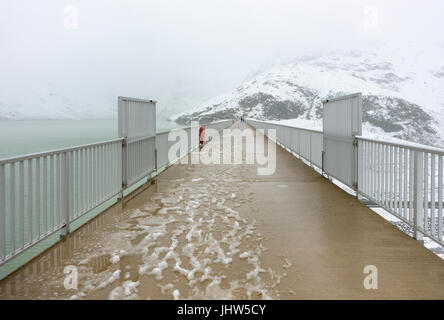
x=70 y=185
x=380 y=173
x=99 y=174
x=12 y=212
x=98 y=171
x=418 y=220
x=112 y=172
x=93 y=177
x=362 y=162
x=440 y=197
x=81 y=176
x=51 y=192
x=425 y=203
x=360 y=167
x=106 y=170
x=384 y=174
x=401 y=179
x=76 y=193
x=63 y=193
x=368 y=169
x=30 y=206
x=22 y=203
x=432 y=195
x=411 y=180
x=84 y=178
x=136 y=163
x=2 y=212
x=37 y=197
x=90 y=179
x=59 y=191
x=45 y=195
x=95 y=174
x=395 y=179
x=407 y=178
x=116 y=169
x=137 y=158
x=373 y=177
x=391 y=176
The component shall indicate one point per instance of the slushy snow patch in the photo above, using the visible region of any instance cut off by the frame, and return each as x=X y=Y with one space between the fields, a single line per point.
x=114 y=259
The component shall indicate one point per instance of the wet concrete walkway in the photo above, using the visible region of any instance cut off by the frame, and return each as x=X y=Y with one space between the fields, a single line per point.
x=222 y=231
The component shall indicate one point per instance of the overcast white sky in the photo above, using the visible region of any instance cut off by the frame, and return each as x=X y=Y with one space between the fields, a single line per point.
x=170 y=50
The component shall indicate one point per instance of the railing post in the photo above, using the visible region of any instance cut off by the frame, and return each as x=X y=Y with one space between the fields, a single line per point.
x=356 y=166
x=124 y=167
x=311 y=164
x=66 y=191
x=418 y=195
x=155 y=159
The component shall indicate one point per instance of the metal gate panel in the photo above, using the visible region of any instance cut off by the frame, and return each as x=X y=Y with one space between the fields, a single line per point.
x=137 y=125
x=342 y=121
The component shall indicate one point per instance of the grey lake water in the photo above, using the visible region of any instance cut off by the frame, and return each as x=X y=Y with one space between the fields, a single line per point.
x=24 y=137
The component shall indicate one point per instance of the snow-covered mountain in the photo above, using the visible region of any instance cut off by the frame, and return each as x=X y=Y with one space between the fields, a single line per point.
x=403 y=91
x=39 y=100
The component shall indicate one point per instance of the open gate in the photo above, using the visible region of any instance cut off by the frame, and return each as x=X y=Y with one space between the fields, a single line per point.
x=137 y=125
x=342 y=122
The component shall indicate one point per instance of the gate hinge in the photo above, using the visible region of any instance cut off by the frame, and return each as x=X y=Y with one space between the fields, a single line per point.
x=355 y=143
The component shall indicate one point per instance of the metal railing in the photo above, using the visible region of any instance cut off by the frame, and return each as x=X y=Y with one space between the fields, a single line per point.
x=404 y=179
x=306 y=143
x=43 y=193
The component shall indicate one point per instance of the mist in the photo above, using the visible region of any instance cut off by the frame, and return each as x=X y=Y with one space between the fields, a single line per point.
x=181 y=53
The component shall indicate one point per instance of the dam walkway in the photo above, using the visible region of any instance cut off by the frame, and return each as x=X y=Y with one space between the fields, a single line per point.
x=223 y=232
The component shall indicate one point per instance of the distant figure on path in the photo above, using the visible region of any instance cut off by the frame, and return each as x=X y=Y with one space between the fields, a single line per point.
x=201 y=137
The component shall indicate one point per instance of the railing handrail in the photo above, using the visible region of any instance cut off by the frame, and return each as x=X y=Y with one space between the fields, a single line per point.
x=56 y=151
x=286 y=125
x=189 y=127
x=417 y=146
x=82 y=146
x=410 y=145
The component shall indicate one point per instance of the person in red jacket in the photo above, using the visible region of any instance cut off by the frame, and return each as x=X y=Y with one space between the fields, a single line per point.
x=201 y=137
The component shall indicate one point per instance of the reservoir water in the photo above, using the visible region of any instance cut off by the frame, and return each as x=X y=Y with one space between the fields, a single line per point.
x=23 y=137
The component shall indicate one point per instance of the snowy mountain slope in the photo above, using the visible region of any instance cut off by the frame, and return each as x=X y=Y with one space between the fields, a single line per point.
x=52 y=101
x=402 y=91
